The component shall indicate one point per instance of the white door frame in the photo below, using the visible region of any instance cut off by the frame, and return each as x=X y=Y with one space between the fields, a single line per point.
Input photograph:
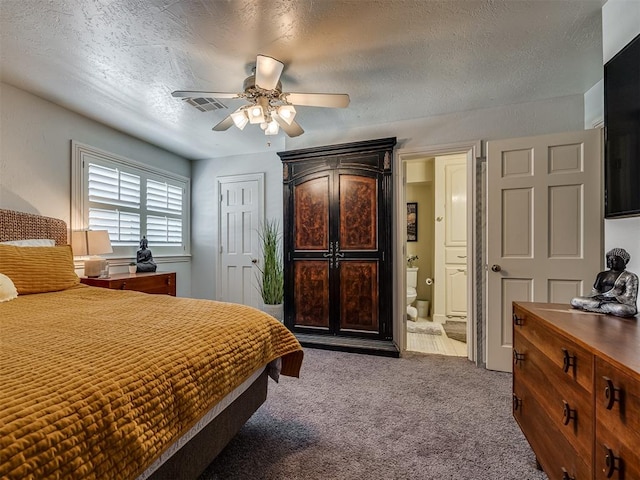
x=473 y=150
x=259 y=177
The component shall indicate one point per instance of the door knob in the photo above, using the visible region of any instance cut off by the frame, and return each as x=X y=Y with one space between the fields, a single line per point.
x=496 y=268
x=254 y=260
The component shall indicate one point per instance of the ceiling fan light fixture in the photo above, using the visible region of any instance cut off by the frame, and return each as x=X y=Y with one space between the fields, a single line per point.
x=268 y=105
x=240 y=119
x=256 y=114
x=272 y=128
x=287 y=113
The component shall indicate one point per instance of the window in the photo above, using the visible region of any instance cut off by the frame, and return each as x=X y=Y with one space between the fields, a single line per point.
x=130 y=200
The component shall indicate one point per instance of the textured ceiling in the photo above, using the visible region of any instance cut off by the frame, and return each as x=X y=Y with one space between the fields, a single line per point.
x=118 y=61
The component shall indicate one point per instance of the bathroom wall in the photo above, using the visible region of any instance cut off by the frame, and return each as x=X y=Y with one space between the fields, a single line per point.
x=420 y=190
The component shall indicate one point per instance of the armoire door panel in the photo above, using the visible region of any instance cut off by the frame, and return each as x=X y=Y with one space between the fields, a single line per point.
x=311 y=292
x=359 y=295
x=358 y=212
x=311 y=214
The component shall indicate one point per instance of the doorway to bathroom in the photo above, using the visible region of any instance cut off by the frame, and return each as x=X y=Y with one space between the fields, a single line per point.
x=436 y=246
x=436 y=255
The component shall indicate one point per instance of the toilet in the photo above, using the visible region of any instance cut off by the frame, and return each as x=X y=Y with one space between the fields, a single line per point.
x=412 y=282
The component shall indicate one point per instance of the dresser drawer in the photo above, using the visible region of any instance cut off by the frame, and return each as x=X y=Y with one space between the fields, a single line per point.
x=567 y=404
x=617 y=403
x=573 y=361
x=555 y=454
x=615 y=458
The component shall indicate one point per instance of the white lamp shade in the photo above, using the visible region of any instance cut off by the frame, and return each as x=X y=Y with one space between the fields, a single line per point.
x=91 y=242
x=240 y=119
x=272 y=128
x=256 y=114
x=287 y=113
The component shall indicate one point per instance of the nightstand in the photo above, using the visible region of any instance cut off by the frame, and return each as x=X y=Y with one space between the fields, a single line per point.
x=153 y=282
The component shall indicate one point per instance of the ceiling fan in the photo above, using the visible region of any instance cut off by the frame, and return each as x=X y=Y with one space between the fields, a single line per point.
x=268 y=106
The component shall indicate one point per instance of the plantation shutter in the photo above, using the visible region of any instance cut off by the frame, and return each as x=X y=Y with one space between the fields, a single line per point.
x=114 y=201
x=164 y=198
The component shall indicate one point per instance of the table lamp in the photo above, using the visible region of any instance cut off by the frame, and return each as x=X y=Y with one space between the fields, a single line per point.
x=92 y=243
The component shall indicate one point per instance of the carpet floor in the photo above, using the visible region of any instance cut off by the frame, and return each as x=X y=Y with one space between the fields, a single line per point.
x=354 y=416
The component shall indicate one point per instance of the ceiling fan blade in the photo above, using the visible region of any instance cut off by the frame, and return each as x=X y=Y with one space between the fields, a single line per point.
x=292 y=130
x=224 y=124
x=268 y=72
x=332 y=100
x=197 y=94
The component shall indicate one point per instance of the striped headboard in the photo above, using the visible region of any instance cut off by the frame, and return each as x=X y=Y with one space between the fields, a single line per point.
x=20 y=226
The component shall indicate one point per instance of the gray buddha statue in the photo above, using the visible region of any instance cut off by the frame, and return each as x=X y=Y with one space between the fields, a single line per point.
x=144 y=259
x=615 y=291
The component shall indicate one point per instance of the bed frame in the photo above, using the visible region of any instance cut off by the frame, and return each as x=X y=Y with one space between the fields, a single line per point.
x=194 y=457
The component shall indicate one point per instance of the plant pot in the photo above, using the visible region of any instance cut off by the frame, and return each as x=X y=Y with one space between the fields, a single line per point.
x=276 y=311
x=133 y=268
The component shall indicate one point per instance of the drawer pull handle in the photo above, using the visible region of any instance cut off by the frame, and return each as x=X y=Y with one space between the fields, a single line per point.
x=611 y=393
x=568 y=361
x=123 y=286
x=566 y=475
x=517 y=357
x=611 y=462
x=517 y=403
x=517 y=320
x=568 y=413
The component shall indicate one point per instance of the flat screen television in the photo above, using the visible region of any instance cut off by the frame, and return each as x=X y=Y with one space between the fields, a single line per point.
x=622 y=133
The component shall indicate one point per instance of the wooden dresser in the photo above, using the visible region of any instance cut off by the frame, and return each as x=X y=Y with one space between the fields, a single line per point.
x=154 y=282
x=576 y=390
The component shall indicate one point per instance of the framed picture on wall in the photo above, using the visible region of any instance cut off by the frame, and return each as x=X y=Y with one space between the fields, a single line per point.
x=412 y=222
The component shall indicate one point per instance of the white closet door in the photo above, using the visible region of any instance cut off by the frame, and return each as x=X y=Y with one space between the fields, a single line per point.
x=450 y=288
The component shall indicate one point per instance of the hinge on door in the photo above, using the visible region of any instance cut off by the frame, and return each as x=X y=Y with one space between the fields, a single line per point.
x=221 y=248
x=221 y=198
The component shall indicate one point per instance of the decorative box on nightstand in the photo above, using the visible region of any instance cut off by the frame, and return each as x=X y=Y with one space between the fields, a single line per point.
x=155 y=282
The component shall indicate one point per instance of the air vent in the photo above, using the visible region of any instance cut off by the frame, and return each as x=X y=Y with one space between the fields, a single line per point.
x=205 y=104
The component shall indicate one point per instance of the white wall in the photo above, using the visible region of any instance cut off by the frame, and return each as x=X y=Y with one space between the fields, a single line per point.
x=35 y=159
x=205 y=209
x=620 y=25
x=594 y=106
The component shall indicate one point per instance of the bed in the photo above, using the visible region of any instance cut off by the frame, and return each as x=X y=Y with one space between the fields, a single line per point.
x=98 y=383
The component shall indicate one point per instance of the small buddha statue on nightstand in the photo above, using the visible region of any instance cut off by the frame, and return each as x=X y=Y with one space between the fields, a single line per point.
x=144 y=259
x=615 y=291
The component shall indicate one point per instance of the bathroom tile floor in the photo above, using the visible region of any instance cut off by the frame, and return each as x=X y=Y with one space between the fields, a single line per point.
x=440 y=344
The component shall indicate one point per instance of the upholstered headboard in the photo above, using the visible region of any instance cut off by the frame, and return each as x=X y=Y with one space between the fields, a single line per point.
x=20 y=226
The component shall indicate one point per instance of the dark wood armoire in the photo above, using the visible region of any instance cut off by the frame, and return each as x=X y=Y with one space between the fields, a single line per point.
x=338 y=246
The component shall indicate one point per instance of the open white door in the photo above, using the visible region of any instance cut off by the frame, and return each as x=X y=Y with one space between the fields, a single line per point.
x=544 y=227
x=241 y=212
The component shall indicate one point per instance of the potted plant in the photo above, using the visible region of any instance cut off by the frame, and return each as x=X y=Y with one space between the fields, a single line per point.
x=271 y=275
x=133 y=267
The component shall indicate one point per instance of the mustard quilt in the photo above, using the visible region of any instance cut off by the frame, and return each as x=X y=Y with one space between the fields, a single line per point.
x=97 y=383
